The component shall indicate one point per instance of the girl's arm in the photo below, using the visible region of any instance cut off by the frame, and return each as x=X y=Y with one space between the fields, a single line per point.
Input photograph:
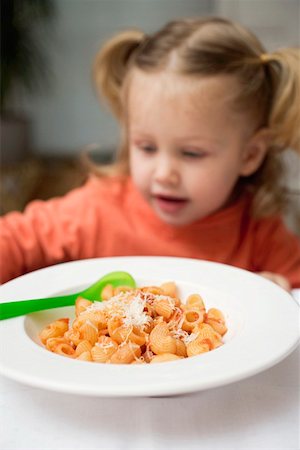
x=47 y=233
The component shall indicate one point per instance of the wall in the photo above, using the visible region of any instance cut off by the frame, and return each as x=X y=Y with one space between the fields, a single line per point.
x=275 y=22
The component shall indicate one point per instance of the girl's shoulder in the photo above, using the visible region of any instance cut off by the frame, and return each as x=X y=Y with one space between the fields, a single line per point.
x=269 y=229
x=263 y=227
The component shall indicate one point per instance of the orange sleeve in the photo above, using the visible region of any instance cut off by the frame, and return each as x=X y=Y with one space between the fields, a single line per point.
x=48 y=232
x=277 y=250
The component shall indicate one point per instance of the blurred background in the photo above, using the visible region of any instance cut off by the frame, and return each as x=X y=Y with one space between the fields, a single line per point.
x=49 y=110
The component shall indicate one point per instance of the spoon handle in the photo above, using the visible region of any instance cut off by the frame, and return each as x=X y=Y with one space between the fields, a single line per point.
x=21 y=307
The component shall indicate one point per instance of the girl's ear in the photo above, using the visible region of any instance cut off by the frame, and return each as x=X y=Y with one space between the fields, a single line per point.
x=255 y=151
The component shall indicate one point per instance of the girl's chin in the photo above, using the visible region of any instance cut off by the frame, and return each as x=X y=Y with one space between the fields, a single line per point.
x=178 y=219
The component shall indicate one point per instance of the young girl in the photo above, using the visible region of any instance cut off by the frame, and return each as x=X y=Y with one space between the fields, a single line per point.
x=205 y=114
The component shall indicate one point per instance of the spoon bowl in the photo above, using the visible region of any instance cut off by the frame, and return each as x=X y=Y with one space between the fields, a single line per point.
x=93 y=292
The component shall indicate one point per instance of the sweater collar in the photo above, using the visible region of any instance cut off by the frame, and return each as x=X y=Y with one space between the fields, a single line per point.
x=140 y=207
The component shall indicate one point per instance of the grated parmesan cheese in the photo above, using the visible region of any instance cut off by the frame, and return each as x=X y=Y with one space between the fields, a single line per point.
x=127 y=306
x=179 y=334
x=104 y=344
x=170 y=300
x=184 y=335
x=190 y=338
x=134 y=313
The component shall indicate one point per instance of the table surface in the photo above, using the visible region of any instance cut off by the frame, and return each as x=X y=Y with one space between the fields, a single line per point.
x=261 y=412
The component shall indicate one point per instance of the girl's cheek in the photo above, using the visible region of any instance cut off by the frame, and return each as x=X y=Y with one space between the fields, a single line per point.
x=133 y=163
x=140 y=164
x=139 y=171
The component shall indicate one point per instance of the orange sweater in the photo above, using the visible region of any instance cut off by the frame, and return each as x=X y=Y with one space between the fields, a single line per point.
x=107 y=217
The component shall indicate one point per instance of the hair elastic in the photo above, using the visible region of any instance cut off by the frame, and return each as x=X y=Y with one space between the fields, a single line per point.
x=265 y=57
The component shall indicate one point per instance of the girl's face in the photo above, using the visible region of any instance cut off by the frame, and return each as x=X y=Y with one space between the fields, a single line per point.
x=186 y=143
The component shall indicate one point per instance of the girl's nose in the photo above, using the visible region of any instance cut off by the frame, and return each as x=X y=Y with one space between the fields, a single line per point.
x=166 y=172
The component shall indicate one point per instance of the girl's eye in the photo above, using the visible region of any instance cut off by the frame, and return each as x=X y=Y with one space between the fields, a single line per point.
x=192 y=154
x=147 y=148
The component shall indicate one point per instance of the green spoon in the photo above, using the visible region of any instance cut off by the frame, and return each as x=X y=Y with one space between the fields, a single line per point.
x=21 y=307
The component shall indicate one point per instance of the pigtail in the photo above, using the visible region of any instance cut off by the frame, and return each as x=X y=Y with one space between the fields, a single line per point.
x=284 y=116
x=111 y=65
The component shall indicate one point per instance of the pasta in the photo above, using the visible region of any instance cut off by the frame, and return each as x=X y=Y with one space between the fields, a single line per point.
x=146 y=325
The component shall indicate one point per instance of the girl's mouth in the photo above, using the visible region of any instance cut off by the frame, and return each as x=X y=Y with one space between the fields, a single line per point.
x=169 y=204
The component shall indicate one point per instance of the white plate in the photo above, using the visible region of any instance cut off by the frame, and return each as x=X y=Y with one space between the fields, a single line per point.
x=262 y=320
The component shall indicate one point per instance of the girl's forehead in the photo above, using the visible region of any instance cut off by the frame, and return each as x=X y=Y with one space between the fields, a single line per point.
x=159 y=96
x=195 y=95
x=169 y=86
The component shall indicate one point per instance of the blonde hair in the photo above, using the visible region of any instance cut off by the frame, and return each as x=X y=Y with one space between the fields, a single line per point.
x=269 y=86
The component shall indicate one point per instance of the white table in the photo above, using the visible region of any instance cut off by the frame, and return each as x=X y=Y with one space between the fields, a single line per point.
x=261 y=412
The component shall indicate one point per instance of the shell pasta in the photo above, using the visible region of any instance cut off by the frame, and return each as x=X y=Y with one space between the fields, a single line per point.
x=146 y=325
